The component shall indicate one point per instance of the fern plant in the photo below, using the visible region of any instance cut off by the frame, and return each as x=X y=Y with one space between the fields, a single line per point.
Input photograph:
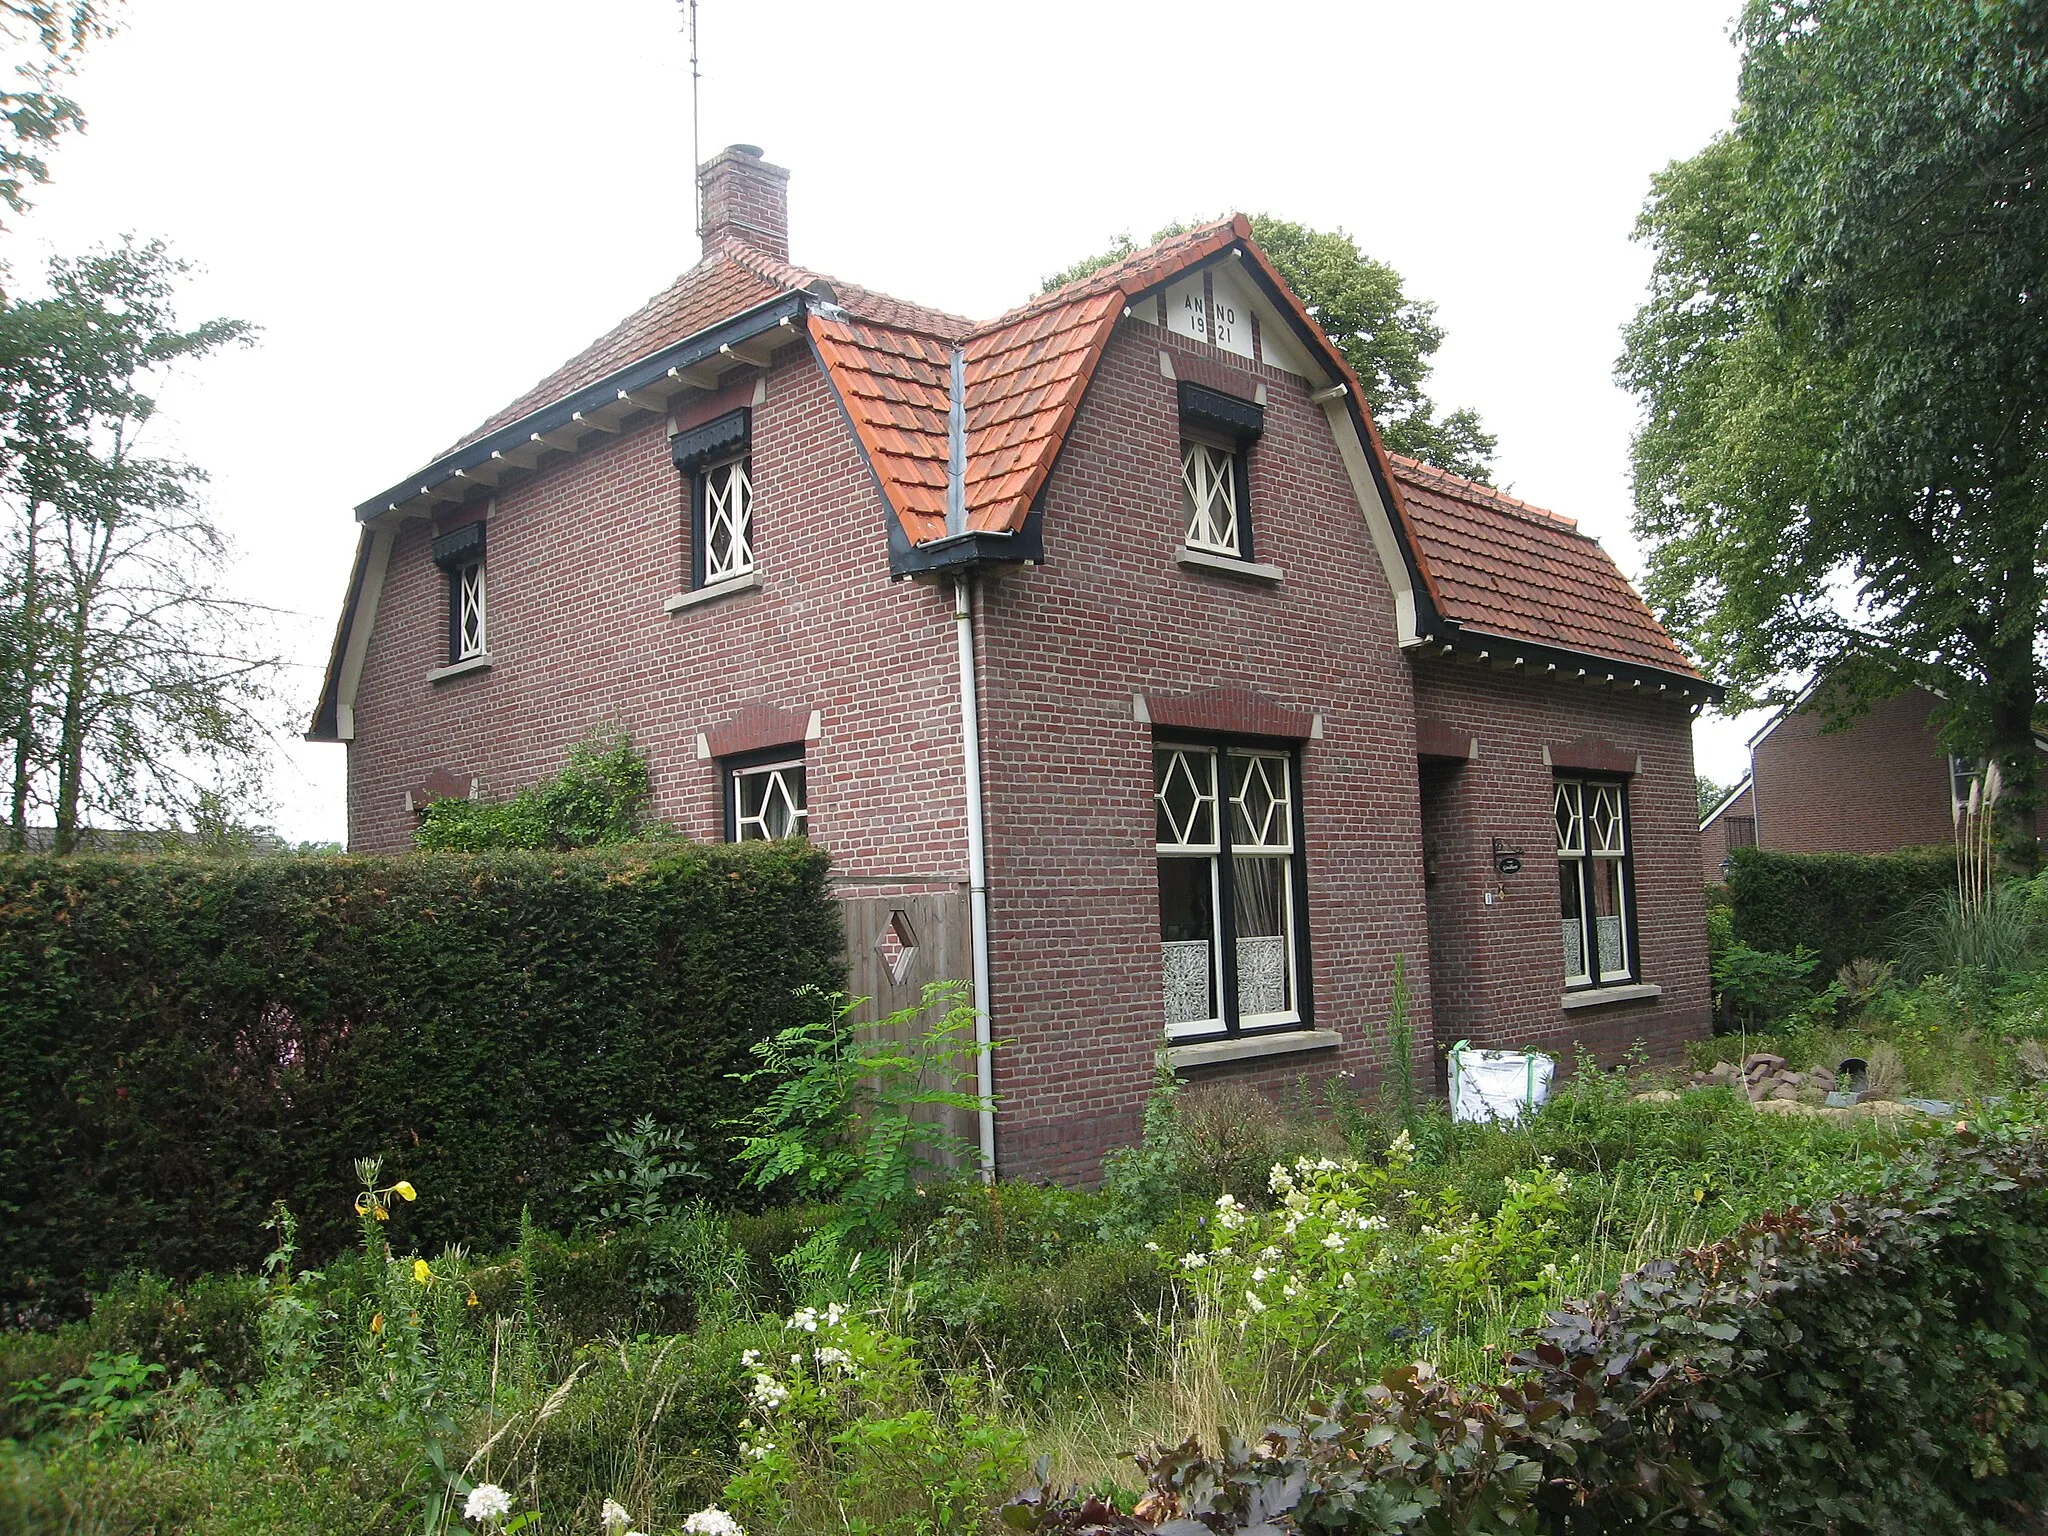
x=839 y=1121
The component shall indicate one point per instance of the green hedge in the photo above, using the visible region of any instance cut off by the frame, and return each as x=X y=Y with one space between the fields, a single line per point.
x=1875 y=1367
x=183 y=1043
x=1843 y=906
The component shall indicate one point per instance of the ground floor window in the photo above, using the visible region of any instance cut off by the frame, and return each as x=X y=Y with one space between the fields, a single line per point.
x=1595 y=882
x=765 y=799
x=1230 y=897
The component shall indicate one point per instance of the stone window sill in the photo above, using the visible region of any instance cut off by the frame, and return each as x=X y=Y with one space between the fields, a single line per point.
x=1209 y=1053
x=1225 y=565
x=732 y=586
x=458 y=668
x=1593 y=997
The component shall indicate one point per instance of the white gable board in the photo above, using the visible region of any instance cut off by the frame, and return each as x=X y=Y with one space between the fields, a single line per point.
x=1225 y=319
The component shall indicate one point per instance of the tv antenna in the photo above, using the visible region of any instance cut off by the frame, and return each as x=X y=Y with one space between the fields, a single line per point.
x=689 y=8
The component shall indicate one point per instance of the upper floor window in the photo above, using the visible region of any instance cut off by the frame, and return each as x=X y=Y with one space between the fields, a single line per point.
x=1217 y=431
x=460 y=553
x=1595 y=881
x=765 y=798
x=725 y=525
x=1230 y=930
x=717 y=459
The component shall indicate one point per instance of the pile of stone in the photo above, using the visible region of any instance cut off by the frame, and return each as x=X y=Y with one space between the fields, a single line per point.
x=1763 y=1076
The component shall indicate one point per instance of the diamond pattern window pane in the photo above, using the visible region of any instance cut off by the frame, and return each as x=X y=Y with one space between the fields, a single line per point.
x=1606 y=818
x=1571 y=821
x=769 y=802
x=728 y=520
x=1185 y=792
x=1208 y=479
x=469 y=618
x=1260 y=815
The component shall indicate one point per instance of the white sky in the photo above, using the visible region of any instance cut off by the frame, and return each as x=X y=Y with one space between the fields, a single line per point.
x=428 y=205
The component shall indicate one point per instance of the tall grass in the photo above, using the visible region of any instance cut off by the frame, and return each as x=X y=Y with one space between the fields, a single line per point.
x=1984 y=940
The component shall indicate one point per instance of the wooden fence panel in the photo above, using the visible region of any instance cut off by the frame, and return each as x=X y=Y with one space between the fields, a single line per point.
x=895 y=945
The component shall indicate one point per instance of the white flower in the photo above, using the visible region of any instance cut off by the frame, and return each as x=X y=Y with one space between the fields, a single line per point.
x=796 y=1360
x=1151 y=1247
x=767 y=1392
x=805 y=1318
x=1373 y=1224
x=749 y=1358
x=1259 y=1274
x=487 y=1503
x=1334 y=1240
x=1251 y=1300
x=833 y=1313
x=1347 y=1282
x=1193 y=1260
x=712 y=1522
x=1271 y=1255
x=756 y=1450
x=614 y=1516
x=828 y=1355
x=1329 y=1165
x=1290 y=1290
x=1279 y=1180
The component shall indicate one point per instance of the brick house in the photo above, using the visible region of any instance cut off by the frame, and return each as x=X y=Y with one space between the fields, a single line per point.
x=1109 y=619
x=1882 y=782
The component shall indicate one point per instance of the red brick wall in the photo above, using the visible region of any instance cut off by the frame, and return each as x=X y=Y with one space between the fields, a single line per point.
x=579 y=562
x=1498 y=971
x=1714 y=839
x=1074 y=893
x=1879 y=785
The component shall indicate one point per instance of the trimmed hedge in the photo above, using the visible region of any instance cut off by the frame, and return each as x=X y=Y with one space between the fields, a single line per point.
x=1875 y=1367
x=183 y=1043
x=1843 y=906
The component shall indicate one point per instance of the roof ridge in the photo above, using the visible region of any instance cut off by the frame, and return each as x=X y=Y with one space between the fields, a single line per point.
x=800 y=279
x=1480 y=490
x=1089 y=284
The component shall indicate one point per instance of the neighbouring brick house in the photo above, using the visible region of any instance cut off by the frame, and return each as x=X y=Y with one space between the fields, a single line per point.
x=1112 y=610
x=1881 y=782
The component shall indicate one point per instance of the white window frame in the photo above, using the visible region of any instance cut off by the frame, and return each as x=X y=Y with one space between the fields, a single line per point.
x=782 y=773
x=726 y=492
x=1209 y=481
x=1590 y=846
x=471 y=639
x=1209 y=768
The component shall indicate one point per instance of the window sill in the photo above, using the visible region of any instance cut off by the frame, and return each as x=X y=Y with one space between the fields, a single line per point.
x=458 y=668
x=1593 y=997
x=1209 y=1053
x=732 y=586
x=1228 y=565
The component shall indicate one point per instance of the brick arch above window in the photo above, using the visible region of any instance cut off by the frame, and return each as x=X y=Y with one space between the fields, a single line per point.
x=1592 y=754
x=1228 y=711
x=754 y=727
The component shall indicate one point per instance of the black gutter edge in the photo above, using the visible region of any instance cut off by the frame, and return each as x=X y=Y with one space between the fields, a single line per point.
x=1472 y=642
x=683 y=354
x=964 y=553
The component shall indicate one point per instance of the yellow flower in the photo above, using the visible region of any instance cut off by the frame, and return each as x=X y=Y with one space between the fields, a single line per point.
x=377 y=1323
x=472 y=1298
x=421 y=1272
x=404 y=1190
x=380 y=1213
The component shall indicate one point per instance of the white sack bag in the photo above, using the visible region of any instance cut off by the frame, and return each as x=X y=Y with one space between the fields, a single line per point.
x=1498 y=1085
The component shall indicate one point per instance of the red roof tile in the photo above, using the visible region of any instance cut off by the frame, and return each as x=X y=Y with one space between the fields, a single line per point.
x=1504 y=567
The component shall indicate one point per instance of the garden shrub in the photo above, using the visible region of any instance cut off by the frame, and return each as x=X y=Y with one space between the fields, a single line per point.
x=183 y=1043
x=1842 y=906
x=598 y=800
x=1874 y=1365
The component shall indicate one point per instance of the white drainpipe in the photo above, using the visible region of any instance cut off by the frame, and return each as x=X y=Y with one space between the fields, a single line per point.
x=977 y=865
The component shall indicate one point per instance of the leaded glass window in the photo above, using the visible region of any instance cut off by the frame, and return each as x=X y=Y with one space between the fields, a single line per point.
x=768 y=802
x=470 y=636
x=1211 y=497
x=727 y=533
x=1594 y=881
x=1229 y=927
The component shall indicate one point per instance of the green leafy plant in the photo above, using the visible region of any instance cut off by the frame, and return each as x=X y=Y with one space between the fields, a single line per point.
x=839 y=1121
x=1401 y=1043
x=1758 y=986
x=650 y=1162
x=598 y=799
x=113 y=1398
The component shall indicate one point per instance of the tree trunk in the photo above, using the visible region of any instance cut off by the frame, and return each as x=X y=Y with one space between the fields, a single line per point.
x=2015 y=690
x=30 y=660
x=71 y=736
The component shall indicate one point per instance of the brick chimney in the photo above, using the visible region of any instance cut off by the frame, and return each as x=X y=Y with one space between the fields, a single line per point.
x=744 y=201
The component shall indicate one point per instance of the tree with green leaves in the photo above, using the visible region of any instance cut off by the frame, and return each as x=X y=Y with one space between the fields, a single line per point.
x=1387 y=337
x=43 y=40
x=1842 y=467
x=131 y=686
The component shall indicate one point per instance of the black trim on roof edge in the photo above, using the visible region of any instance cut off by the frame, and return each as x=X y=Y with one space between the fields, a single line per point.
x=686 y=353
x=1470 y=642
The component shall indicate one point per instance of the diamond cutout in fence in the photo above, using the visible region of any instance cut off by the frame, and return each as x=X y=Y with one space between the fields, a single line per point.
x=897 y=946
